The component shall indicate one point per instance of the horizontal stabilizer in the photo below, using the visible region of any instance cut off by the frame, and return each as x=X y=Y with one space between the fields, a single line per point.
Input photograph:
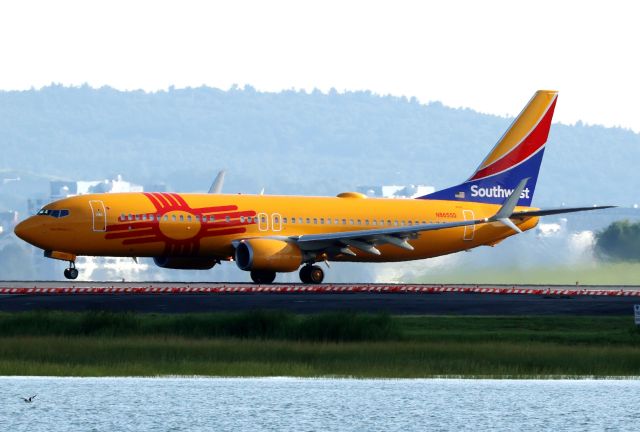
x=561 y=210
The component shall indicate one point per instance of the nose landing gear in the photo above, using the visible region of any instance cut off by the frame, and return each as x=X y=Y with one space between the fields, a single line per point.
x=311 y=274
x=72 y=271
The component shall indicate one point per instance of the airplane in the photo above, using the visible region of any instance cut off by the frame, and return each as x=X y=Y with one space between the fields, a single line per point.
x=266 y=234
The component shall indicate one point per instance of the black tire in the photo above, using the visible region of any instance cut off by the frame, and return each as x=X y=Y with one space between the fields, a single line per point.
x=316 y=275
x=263 y=276
x=67 y=274
x=305 y=274
x=73 y=273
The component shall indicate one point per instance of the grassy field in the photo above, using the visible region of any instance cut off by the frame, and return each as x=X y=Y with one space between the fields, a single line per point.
x=596 y=274
x=337 y=344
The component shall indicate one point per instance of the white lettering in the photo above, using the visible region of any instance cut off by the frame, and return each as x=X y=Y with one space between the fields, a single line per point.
x=496 y=192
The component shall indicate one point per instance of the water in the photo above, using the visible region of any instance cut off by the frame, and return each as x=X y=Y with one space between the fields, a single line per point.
x=276 y=404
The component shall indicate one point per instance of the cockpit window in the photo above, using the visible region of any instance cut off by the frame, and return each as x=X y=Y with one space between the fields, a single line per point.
x=54 y=213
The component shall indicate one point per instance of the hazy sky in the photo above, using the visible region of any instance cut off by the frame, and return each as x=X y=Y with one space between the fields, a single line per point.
x=487 y=55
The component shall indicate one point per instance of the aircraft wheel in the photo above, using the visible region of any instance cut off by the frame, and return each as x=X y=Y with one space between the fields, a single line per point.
x=305 y=276
x=311 y=274
x=316 y=275
x=71 y=273
x=263 y=276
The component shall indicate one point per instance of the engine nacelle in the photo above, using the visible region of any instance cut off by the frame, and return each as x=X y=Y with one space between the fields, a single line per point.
x=268 y=254
x=185 y=263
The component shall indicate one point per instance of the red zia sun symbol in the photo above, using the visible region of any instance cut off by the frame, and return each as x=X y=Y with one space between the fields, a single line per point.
x=179 y=238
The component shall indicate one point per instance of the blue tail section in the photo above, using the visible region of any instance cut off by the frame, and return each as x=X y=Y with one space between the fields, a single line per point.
x=517 y=155
x=495 y=189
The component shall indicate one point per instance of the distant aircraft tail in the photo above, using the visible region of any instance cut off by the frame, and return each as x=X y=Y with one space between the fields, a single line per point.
x=516 y=156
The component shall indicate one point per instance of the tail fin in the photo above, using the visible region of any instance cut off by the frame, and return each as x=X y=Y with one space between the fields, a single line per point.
x=517 y=155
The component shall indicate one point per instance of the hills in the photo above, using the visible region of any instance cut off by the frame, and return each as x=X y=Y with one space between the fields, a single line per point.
x=291 y=142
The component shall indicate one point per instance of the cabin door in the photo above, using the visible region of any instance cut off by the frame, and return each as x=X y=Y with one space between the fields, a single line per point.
x=469 y=230
x=263 y=222
x=99 y=215
x=276 y=222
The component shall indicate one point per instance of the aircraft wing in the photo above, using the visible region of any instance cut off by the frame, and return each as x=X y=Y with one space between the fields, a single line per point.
x=367 y=240
x=216 y=186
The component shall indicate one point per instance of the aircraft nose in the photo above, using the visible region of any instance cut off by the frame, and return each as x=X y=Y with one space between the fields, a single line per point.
x=26 y=230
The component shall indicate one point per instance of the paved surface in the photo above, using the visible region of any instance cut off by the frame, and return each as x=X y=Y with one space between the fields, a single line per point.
x=449 y=303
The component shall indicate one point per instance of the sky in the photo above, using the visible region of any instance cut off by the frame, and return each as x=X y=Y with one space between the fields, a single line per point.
x=486 y=55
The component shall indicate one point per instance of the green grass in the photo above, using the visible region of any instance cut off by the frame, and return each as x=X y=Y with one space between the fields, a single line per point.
x=326 y=327
x=596 y=274
x=64 y=344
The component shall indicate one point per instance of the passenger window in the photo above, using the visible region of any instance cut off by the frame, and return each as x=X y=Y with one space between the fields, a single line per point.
x=337 y=221
x=366 y=222
x=344 y=221
x=166 y=217
x=328 y=221
x=388 y=222
x=359 y=222
x=228 y=218
x=284 y=220
x=130 y=217
x=181 y=218
x=321 y=221
x=395 y=223
x=173 y=217
x=293 y=220
x=315 y=221
x=308 y=221
x=197 y=218
x=122 y=216
x=374 y=222
x=351 y=221
x=242 y=219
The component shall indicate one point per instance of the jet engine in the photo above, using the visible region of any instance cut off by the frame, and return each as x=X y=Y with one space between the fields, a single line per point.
x=269 y=255
x=185 y=263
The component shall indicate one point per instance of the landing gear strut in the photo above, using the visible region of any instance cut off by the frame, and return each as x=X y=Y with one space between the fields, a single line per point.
x=263 y=276
x=72 y=271
x=311 y=274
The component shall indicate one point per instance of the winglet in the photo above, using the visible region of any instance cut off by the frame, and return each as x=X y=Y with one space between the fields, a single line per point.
x=509 y=205
x=216 y=186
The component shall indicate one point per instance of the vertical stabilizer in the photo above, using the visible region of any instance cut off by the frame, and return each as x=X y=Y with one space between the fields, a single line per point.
x=517 y=155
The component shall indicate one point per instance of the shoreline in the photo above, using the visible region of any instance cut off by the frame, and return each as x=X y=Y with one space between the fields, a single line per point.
x=567 y=378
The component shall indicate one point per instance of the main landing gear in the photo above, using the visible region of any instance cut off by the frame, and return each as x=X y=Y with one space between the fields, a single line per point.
x=263 y=276
x=311 y=274
x=72 y=271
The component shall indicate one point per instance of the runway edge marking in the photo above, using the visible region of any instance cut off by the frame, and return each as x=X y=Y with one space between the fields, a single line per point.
x=318 y=289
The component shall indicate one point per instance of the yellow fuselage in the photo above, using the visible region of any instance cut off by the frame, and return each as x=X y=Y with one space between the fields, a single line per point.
x=205 y=225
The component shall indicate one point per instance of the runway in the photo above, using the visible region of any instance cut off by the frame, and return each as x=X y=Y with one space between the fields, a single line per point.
x=299 y=298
